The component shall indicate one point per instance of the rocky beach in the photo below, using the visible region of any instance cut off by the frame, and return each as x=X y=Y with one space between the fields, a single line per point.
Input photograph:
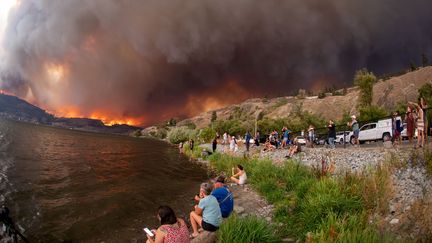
x=410 y=184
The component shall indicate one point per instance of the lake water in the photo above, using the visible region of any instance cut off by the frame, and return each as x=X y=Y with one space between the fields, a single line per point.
x=71 y=186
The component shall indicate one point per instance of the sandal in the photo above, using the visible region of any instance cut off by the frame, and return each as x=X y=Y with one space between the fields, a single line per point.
x=191 y=236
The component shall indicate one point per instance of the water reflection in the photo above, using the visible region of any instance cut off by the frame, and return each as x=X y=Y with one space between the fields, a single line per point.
x=76 y=186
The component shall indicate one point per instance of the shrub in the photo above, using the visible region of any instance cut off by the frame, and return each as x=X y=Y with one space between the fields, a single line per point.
x=249 y=230
x=365 y=80
x=372 y=113
x=213 y=116
x=195 y=153
x=180 y=134
x=160 y=133
x=207 y=134
x=428 y=162
x=232 y=126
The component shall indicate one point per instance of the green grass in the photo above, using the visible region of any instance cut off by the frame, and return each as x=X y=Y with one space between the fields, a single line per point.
x=428 y=161
x=248 y=230
x=326 y=208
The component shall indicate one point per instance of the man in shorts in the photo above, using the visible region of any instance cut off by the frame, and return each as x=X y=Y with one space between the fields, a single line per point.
x=356 y=130
x=207 y=214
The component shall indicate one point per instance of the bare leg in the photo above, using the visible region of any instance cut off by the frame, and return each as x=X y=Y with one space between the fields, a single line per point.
x=235 y=180
x=196 y=221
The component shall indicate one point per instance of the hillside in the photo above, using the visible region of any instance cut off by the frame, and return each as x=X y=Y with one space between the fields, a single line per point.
x=14 y=108
x=386 y=94
x=17 y=109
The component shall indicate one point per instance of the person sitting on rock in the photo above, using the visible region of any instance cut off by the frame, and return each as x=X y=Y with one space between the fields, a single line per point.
x=296 y=148
x=207 y=214
x=268 y=146
x=241 y=175
x=172 y=229
x=223 y=196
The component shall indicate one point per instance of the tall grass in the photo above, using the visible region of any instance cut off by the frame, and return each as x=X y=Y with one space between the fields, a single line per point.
x=195 y=153
x=248 y=230
x=428 y=161
x=325 y=208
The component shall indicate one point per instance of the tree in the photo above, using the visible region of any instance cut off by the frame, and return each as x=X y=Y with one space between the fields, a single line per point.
x=172 y=122
x=207 y=134
x=425 y=91
x=413 y=66
x=425 y=61
x=213 y=116
x=365 y=80
x=180 y=134
x=372 y=113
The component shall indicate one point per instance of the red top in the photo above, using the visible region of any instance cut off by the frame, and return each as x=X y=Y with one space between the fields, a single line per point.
x=175 y=234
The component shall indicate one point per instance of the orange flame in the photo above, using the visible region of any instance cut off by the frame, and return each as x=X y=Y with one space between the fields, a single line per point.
x=230 y=93
x=2 y=91
x=108 y=120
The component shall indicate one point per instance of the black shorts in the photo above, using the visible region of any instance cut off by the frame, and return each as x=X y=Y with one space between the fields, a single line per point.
x=208 y=227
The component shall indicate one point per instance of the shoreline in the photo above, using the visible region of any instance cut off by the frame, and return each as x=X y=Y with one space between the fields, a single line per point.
x=410 y=183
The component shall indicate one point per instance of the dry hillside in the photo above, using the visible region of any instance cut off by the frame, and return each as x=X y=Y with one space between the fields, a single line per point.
x=386 y=94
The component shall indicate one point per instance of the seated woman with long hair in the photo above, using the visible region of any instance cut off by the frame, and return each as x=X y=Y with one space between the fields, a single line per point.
x=172 y=229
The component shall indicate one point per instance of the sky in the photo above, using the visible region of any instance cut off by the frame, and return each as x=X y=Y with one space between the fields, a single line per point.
x=143 y=62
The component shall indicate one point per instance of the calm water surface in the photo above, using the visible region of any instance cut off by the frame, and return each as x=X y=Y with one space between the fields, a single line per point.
x=71 y=186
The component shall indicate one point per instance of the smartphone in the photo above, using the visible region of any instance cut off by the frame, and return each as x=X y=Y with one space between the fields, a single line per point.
x=148 y=232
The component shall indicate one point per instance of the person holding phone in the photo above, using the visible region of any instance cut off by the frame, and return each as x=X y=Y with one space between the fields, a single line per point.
x=241 y=175
x=172 y=229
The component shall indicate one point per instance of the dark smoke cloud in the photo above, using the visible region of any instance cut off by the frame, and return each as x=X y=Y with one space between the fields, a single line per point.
x=150 y=58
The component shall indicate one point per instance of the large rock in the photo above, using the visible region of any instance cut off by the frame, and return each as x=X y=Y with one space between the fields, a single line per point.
x=205 y=237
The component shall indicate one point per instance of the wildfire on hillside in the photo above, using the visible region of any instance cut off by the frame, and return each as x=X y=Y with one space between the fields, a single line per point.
x=107 y=118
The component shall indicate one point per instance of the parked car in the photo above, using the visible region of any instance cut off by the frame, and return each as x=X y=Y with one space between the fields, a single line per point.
x=321 y=140
x=404 y=134
x=381 y=130
x=300 y=140
x=340 y=137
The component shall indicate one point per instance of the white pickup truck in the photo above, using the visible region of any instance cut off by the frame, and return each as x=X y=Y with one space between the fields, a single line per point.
x=381 y=130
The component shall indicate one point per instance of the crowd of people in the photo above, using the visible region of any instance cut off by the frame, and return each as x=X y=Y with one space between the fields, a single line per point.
x=415 y=119
x=214 y=202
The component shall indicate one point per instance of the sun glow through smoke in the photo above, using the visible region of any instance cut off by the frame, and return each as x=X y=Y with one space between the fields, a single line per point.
x=55 y=72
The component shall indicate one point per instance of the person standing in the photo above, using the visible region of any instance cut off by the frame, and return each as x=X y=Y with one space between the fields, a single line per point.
x=256 y=140
x=285 y=135
x=311 y=135
x=420 y=125
x=225 y=138
x=331 y=133
x=397 y=128
x=424 y=107
x=191 y=144
x=248 y=137
x=180 y=147
x=409 y=119
x=214 y=144
x=356 y=129
x=233 y=144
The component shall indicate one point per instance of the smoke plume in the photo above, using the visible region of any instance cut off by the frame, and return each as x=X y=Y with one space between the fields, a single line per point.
x=151 y=60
